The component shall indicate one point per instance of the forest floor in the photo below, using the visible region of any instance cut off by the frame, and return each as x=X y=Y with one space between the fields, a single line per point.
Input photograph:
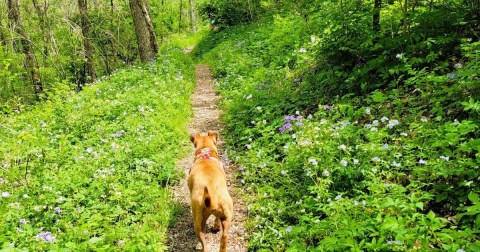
x=206 y=117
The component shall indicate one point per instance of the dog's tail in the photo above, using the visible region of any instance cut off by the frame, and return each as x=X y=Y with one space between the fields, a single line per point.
x=209 y=201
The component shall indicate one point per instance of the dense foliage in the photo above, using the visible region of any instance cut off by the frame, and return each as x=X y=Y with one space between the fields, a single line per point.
x=352 y=138
x=54 y=29
x=88 y=171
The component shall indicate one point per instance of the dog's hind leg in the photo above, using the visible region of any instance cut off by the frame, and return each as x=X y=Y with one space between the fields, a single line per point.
x=199 y=226
x=225 y=227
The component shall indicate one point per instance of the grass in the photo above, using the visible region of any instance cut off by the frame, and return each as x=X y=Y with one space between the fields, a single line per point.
x=90 y=171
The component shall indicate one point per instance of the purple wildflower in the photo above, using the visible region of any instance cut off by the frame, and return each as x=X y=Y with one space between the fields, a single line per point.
x=22 y=221
x=46 y=236
x=328 y=108
x=57 y=210
x=285 y=127
x=451 y=76
x=289 y=118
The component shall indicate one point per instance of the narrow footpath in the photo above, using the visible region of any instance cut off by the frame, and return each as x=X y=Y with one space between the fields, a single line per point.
x=206 y=117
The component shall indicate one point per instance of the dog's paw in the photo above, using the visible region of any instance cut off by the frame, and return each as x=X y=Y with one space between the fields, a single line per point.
x=216 y=226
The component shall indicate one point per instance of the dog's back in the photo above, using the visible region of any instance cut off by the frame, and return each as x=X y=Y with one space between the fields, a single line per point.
x=208 y=188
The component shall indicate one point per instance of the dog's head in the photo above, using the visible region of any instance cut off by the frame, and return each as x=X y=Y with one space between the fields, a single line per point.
x=208 y=141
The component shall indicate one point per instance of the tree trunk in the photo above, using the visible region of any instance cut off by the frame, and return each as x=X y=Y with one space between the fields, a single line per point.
x=82 y=7
x=376 y=16
x=146 y=39
x=193 y=18
x=30 y=61
x=3 y=39
x=180 y=16
x=41 y=14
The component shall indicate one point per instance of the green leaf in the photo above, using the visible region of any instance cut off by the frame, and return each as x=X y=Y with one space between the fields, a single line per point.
x=473 y=197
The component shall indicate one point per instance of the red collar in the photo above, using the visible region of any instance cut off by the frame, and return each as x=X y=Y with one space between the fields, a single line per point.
x=206 y=153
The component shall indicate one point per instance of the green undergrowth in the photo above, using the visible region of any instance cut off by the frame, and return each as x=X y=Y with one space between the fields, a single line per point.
x=331 y=164
x=89 y=171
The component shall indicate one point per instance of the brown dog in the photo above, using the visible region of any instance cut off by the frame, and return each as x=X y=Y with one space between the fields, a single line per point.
x=208 y=189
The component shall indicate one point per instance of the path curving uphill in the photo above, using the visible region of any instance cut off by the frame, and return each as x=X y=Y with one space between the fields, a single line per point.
x=206 y=117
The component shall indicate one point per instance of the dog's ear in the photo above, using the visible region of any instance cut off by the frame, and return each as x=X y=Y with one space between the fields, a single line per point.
x=215 y=135
x=193 y=137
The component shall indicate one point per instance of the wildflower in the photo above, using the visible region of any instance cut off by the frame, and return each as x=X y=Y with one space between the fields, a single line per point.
x=60 y=199
x=375 y=159
x=385 y=146
x=6 y=194
x=344 y=162
x=446 y=158
x=345 y=123
x=395 y=164
x=2 y=180
x=355 y=161
x=338 y=197
x=288 y=229
x=451 y=76
x=328 y=108
x=460 y=250
x=355 y=202
x=325 y=173
x=367 y=111
x=283 y=172
x=25 y=196
x=46 y=236
x=424 y=119
x=302 y=50
x=249 y=97
x=285 y=127
x=399 y=56
x=57 y=210
x=259 y=108
x=392 y=123
x=121 y=243
x=375 y=123
x=343 y=147
x=119 y=133
x=313 y=161
x=458 y=65
x=364 y=203
x=456 y=122
x=384 y=119
x=294 y=136
x=403 y=134
x=89 y=149
x=422 y=162
x=313 y=39
x=374 y=170
x=22 y=221
x=249 y=146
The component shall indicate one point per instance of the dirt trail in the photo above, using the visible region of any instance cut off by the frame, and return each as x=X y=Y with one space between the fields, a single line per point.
x=206 y=117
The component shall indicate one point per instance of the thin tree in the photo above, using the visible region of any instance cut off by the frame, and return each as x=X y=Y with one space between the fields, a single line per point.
x=145 y=33
x=44 y=26
x=376 y=16
x=82 y=7
x=30 y=61
x=180 y=16
x=3 y=39
x=193 y=17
